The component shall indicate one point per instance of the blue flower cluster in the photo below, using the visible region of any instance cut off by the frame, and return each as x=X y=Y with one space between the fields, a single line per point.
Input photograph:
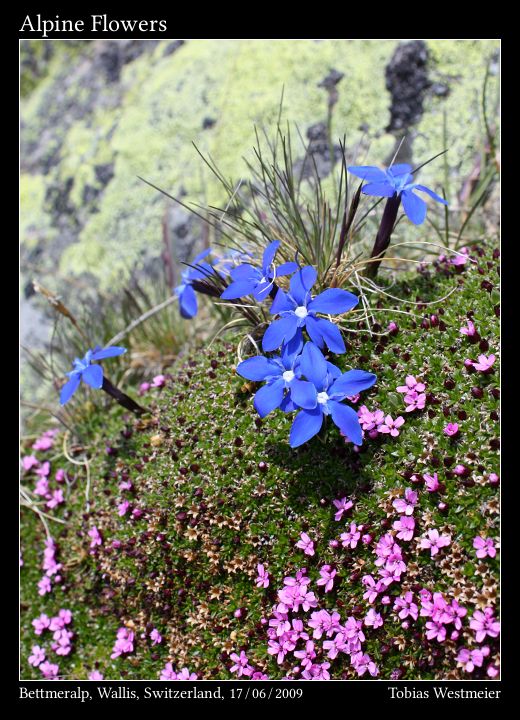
x=299 y=377
x=83 y=369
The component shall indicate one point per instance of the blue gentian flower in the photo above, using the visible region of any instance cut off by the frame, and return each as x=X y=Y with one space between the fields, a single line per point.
x=250 y=280
x=330 y=387
x=297 y=309
x=396 y=179
x=281 y=375
x=230 y=260
x=84 y=370
x=185 y=292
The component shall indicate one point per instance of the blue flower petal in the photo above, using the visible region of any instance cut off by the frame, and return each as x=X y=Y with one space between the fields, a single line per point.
x=368 y=172
x=93 y=376
x=201 y=256
x=281 y=303
x=269 y=397
x=305 y=426
x=287 y=404
x=269 y=254
x=258 y=368
x=399 y=169
x=380 y=189
x=333 y=302
x=188 y=302
x=245 y=272
x=423 y=188
x=351 y=383
x=70 y=388
x=112 y=351
x=286 y=268
x=414 y=207
x=330 y=333
x=303 y=394
x=291 y=350
x=311 y=324
x=239 y=289
x=347 y=420
x=279 y=331
x=333 y=371
x=313 y=365
x=301 y=284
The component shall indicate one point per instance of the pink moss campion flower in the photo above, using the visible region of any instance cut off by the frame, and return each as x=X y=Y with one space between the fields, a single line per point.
x=155 y=637
x=484 y=363
x=373 y=619
x=434 y=542
x=484 y=624
x=469 y=329
x=159 y=381
x=41 y=623
x=306 y=656
x=62 y=642
x=414 y=401
x=46 y=441
x=370 y=421
x=186 y=674
x=42 y=488
x=29 y=462
x=122 y=508
x=460 y=470
x=351 y=537
x=55 y=499
x=431 y=482
x=60 y=475
x=168 y=673
x=405 y=526
x=492 y=671
x=392 y=327
x=412 y=385
x=124 y=643
x=485 y=547
x=143 y=388
x=49 y=670
x=406 y=506
x=391 y=426
x=451 y=430
x=44 y=470
x=342 y=506
x=95 y=537
x=362 y=663
x=470 y=659
x=44 y=586
x=241 y=666
x=262 y=580
x=405 y=607
x=37 y=656
x=327 y=577
x=95 y=675
x=435 y=631
x=305 y=544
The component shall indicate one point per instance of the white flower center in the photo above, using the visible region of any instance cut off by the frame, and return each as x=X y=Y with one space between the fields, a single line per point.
x=301 y=311
x=322 y=398
x=288 y=376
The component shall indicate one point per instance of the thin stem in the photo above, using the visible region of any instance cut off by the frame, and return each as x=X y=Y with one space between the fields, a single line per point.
x=122 y=398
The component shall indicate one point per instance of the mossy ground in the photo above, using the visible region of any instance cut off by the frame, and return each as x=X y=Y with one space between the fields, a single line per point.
x=221 y=491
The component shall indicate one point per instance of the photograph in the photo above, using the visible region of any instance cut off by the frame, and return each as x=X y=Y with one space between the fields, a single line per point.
x=259 y=328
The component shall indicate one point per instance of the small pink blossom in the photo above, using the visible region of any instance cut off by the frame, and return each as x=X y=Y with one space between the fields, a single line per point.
x=37 y=657
x=143 y=388
x=305 y=544
x=391 y=426
x=41 y=623
x=49 y=670
x=95 y=537
x=412 y=385
x=155 y=637
x=451 y=430
x=406 y=506
x=485 y=547
x=44 y=470
x=351 y=537
x=431 y=482
x=406 y=607
x=29 y=462
x=434 y=542
x=124 y=643
x=55 y=499
x=342 y=507
x=44 y=586
x=327 y=577
x=470 y=659
x=122 y=507
x=95 y=675
x=373 y=619
x=262 y=579
x=469 y=329
x=484 y=624
x=484 y=363
x=159 y=381
x=241 y=666
x=46 y=441
x=414 y=401
x=405 y=525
